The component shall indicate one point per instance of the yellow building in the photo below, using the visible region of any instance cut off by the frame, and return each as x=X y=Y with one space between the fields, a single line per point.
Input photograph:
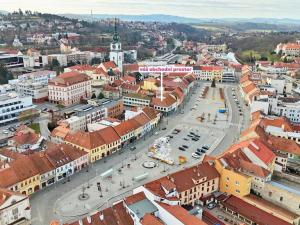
x=231 y=181
x=90 y=142
x=98 y=144
x=150 y=84
x=21 y=176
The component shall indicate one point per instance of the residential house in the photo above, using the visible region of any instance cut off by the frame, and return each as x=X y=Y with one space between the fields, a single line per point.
x=14 y=208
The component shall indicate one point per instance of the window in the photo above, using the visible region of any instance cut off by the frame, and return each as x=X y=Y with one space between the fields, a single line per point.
x=237 y=183
x=237 y=191
x=281 y=198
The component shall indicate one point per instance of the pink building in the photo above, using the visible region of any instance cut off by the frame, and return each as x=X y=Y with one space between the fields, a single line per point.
x=69 y=88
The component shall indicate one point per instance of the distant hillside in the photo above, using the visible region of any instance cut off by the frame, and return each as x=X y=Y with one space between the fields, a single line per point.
x=3 y=12
x=180 y=19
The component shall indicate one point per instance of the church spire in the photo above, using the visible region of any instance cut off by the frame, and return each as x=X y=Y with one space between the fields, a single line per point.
x=116 y=37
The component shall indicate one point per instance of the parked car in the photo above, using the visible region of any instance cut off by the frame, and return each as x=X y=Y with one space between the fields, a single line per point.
x=196 y=156
x=164 y=128
x=170 y=136
x=195 y=139
x=205 y=147
x=185 y=146
x=211 y=205
x=181 y=148
x=5 y=132
x=186 y=139
x=132 y=148
x=189 y=135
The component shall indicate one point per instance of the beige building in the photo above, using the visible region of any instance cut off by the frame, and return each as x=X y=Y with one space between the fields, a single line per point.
x=69 y=88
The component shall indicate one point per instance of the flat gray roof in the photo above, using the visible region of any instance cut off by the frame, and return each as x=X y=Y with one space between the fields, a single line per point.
x=143 y=207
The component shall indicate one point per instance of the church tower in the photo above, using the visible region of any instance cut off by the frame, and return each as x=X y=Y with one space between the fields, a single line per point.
x=116 y=54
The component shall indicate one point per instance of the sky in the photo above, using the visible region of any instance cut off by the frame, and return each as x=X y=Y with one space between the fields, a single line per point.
x=190 y=8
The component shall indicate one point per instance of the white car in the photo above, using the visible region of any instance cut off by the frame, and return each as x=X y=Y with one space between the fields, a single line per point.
x=196 y=156
x=5 y=132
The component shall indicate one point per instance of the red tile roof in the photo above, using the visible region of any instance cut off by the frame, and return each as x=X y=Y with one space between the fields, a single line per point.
x=6 y=194
x=182 y=215
x=167 y=101
x=183 y=179
x=251 y=212
x=135 y=198
x=284 y=145
x=69 y=78
x=82 y=68
x=149 y=219
x=115 y=215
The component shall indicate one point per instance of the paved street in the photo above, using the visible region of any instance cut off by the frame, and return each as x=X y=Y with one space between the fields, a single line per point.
x=61 y=201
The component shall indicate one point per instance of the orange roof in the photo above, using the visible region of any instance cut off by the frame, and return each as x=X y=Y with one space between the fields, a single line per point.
x=183 y=179
x=69 y=78
x=87 y=140
x=150 y=112
x=150 y=219
x=131 y=67
x=249 y=88
x=292 y=46
x=251 y=212
x=41 y=162
x=109 y=65
x=8 y=177
x=284 y=145
x=115 y=215
x=125 y=127
x=60 y=131
x=262 y=151
x=166 y=102
x=261 y=203
x=10 y=154
x=82 y=67
x=141 y=119
x=135 y=198
x=256 y=115
x=24 y=168
x=128 y=79
x=253 y=169
x=281 y=122
x=22 y=138
x=6 y=194
x=181 y=214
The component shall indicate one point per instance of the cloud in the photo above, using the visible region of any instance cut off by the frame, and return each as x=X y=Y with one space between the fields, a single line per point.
x=191 y=8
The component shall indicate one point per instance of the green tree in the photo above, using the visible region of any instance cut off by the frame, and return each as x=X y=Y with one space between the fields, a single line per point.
x=29 y=114
x=101 y=95
x=213 y=83
x=5 y=75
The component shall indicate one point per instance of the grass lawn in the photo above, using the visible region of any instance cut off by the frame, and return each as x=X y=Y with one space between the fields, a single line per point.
x=35 y=127
x=249 y=53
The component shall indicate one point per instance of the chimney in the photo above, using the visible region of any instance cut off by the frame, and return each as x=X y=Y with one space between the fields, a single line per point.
x=89 y=219
x=101 y=216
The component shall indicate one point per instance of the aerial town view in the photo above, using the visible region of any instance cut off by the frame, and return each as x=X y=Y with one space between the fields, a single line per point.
x=150 y=112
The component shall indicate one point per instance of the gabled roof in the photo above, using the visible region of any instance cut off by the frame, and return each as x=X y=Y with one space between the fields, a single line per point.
x=150 y=112
x=41 y=162
x=183 y=179
x=251 y=212
x=182 y=215
x=284 y=145
x=115 y=215
x=69 y=78
x=6 y=194
x=125 y=127
x=150 y=219
x=167 y=101
x=57 y=156
x=141 y=119
x=87 y=140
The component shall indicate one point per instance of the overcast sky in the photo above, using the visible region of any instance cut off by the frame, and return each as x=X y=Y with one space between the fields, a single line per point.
x=188 y=8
